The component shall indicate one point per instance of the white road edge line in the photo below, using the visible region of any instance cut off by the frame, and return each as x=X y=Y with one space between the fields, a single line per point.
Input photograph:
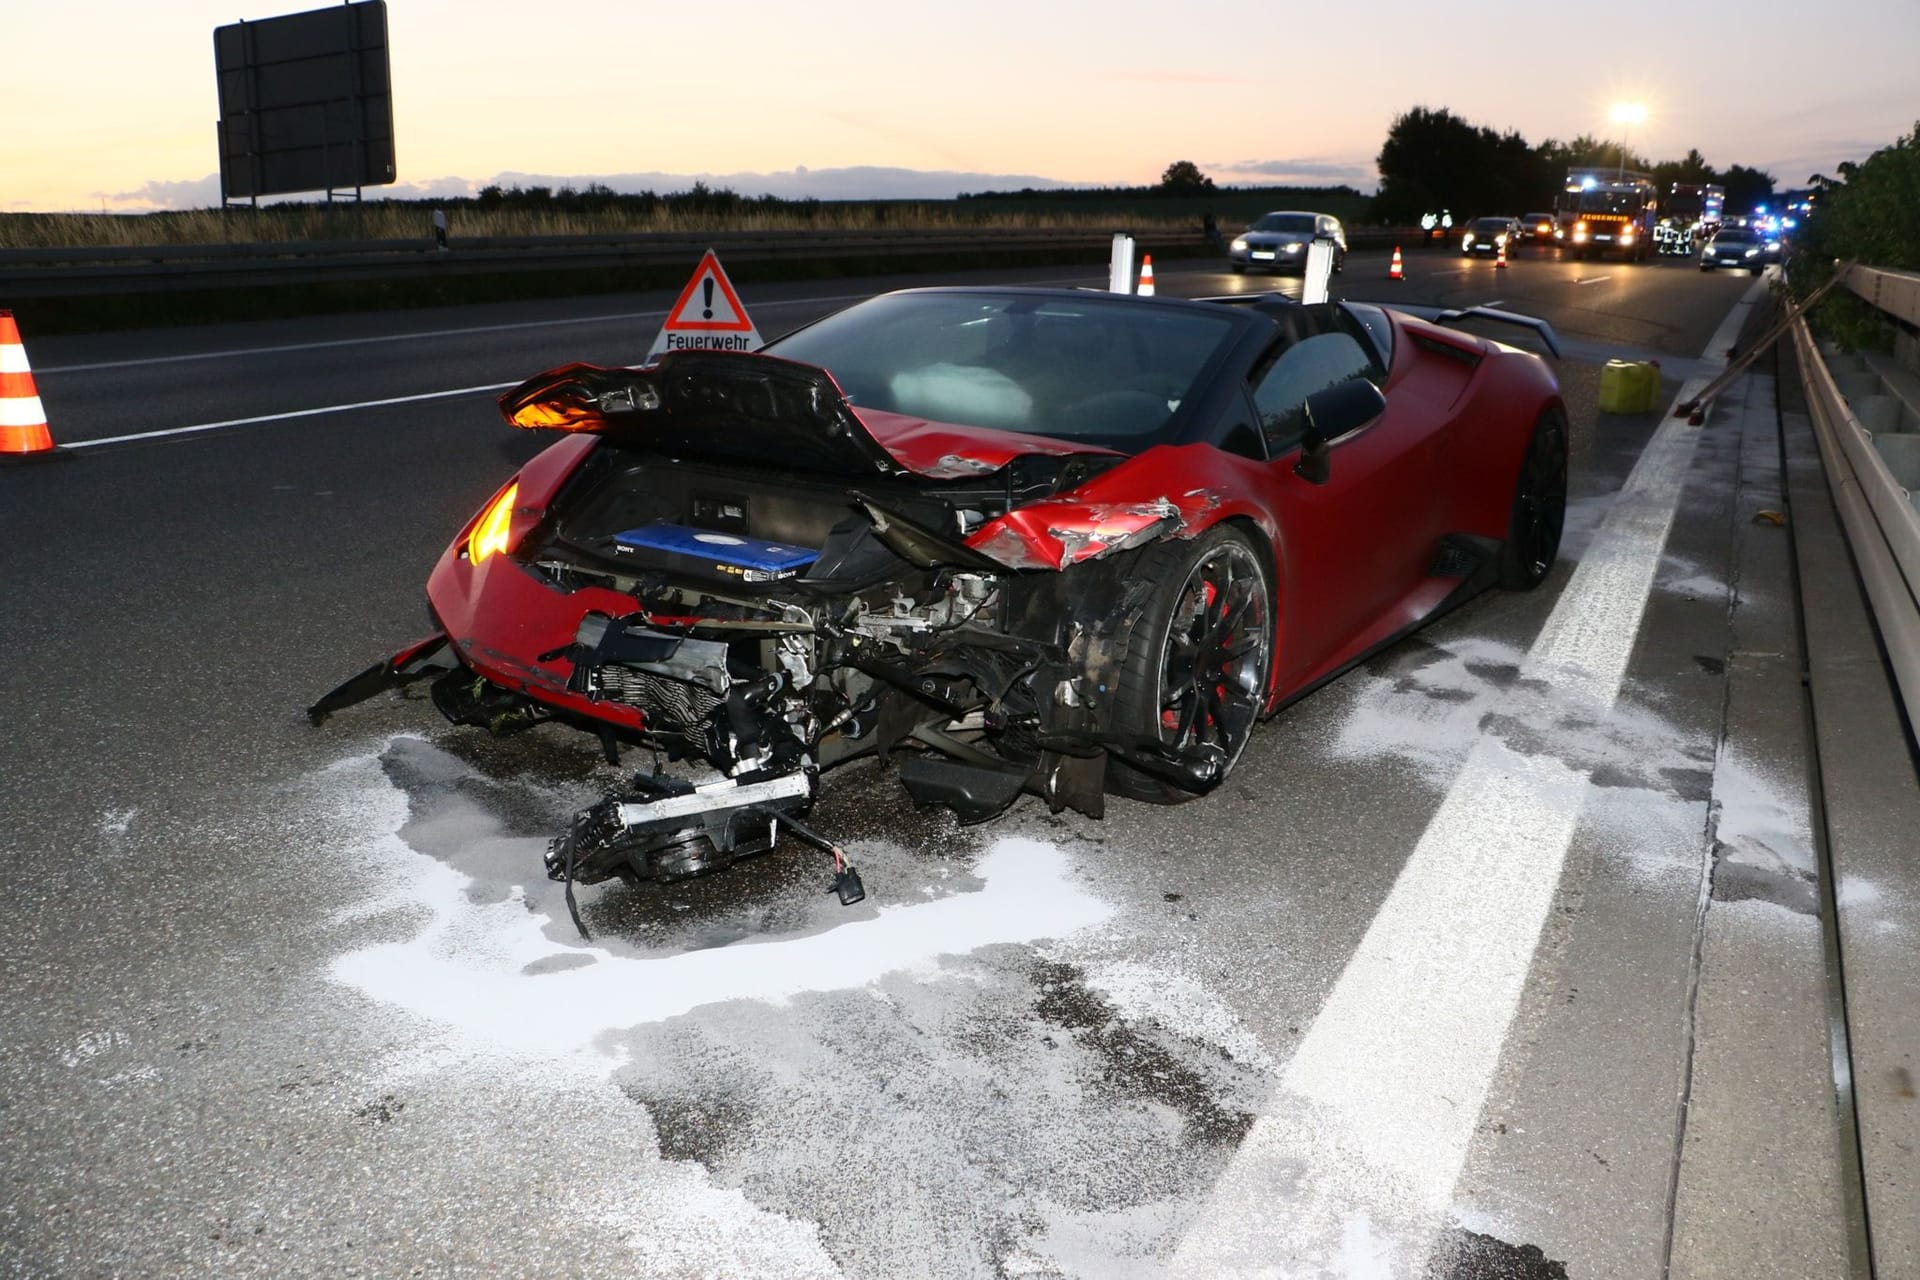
x=236 y=352
x=425 y=335
x=1349 y=1170
x=294 y=413
x=1594 y=279
x=199 y=428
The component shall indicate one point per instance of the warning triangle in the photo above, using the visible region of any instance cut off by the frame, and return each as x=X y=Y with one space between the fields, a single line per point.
x=707 y=315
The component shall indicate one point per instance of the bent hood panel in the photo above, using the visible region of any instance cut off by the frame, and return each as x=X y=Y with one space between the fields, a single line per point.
x=761 y=410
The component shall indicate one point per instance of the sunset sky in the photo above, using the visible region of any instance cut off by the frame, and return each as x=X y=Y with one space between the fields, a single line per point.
x=106 y=104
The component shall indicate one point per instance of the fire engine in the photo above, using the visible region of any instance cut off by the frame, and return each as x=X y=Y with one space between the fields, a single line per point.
x=1602 y=211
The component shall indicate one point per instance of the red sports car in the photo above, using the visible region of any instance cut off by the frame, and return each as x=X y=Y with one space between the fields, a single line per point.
x=1014 y=540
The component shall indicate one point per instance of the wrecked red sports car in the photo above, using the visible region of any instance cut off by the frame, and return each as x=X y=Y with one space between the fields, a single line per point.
x=1012 y=540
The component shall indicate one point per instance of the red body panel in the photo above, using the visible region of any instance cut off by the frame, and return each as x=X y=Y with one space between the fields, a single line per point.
x=1352 y=556
x=941 y=451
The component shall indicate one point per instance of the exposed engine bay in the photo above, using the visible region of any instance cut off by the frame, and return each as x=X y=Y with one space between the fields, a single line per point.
x=758 y=626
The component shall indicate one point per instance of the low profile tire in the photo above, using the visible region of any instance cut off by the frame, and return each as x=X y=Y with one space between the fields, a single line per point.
x=1539 y=509
x=1199 y=659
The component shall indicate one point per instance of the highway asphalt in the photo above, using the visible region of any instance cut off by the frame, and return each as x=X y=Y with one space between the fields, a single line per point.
x=1475 y=967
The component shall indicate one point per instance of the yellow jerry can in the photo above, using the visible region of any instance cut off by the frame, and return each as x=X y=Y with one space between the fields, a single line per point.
x=1629 y=386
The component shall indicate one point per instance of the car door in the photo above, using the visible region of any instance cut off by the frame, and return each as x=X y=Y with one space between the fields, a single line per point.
x=1356 y=546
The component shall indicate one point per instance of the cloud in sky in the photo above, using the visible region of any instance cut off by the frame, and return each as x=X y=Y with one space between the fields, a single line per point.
x=1298 y=172
x=859 y=182
x=900 y=100
x=856 y=182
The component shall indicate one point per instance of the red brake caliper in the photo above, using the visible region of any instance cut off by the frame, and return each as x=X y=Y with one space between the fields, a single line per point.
x=1219 y=690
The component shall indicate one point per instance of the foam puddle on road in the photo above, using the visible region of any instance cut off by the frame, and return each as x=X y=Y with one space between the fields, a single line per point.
x=490 y=974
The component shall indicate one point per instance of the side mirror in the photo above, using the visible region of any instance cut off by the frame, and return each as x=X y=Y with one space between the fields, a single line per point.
x=1342 y=408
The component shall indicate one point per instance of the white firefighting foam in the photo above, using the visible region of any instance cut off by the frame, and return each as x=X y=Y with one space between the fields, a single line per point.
x=489 y=974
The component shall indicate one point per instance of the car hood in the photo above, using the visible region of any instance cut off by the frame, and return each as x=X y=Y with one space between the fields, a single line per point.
x=753 y=409
x=1268 y=238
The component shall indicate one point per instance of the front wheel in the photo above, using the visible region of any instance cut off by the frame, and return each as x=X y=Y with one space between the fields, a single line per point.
x=1539 y=510
x=1198 y=660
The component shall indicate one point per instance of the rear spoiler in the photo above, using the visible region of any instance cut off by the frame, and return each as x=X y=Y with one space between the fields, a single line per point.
x=1436 y=315
x=1535 y=323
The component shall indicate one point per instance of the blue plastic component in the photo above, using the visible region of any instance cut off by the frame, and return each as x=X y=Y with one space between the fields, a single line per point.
x=754 y=559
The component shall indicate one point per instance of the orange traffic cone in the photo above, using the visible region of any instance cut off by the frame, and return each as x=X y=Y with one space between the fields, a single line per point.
x=23 y=422
x=1146 y=275
x=1500 y=258
x=1395 y=271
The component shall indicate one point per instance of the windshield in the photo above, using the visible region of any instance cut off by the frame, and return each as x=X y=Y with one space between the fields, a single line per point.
x=1610 y=202
x=1733 y=235
x=1300 y=222
x=1490 y=224
x=1105 y=370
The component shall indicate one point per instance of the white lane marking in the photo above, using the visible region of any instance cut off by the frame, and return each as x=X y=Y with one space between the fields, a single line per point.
x=1352 y=1163
x=373 y=339
x=197 y=428
x=1594 y=279
x=426 y=335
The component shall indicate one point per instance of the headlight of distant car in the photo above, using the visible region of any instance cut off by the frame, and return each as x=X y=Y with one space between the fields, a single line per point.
x=1240 y=245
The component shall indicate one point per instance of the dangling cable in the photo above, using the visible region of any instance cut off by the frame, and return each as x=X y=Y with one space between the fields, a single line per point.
x=846 y=880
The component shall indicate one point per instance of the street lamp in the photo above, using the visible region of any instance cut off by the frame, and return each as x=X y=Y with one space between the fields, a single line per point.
x=1627 y=114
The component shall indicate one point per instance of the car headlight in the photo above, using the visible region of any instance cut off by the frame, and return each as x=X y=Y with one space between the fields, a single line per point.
x=493 y=531
x=1626 y=233
x=1753 y=253
x=1293 y=248
x=1501 y=238
x=1240 y=245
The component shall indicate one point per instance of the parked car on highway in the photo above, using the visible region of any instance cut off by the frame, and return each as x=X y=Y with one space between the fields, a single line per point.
x=1539 y=227
x=1278 y=241
x=1012 y=540
x=1490 y=235
x=1740 y=246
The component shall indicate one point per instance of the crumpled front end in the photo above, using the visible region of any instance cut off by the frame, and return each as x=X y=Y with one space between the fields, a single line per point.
x=756 y=625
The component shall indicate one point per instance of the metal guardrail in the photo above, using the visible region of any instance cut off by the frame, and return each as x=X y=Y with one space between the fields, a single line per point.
x=1878 y=511
x=46 y=273
x=95 y=272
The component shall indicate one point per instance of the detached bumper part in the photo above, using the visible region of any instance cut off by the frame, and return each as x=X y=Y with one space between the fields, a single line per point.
x=404 y=667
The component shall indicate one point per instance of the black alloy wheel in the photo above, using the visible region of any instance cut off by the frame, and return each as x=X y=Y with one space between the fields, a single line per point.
x=1539 y=506
x=1200 y=658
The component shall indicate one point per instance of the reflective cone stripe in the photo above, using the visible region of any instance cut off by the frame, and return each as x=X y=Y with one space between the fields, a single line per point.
x=1500 y=259
x=23 y=419
x=1394 y=270
x=1146 y=275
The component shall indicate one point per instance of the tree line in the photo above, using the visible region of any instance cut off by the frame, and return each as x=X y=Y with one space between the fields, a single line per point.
x=1432 y=159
